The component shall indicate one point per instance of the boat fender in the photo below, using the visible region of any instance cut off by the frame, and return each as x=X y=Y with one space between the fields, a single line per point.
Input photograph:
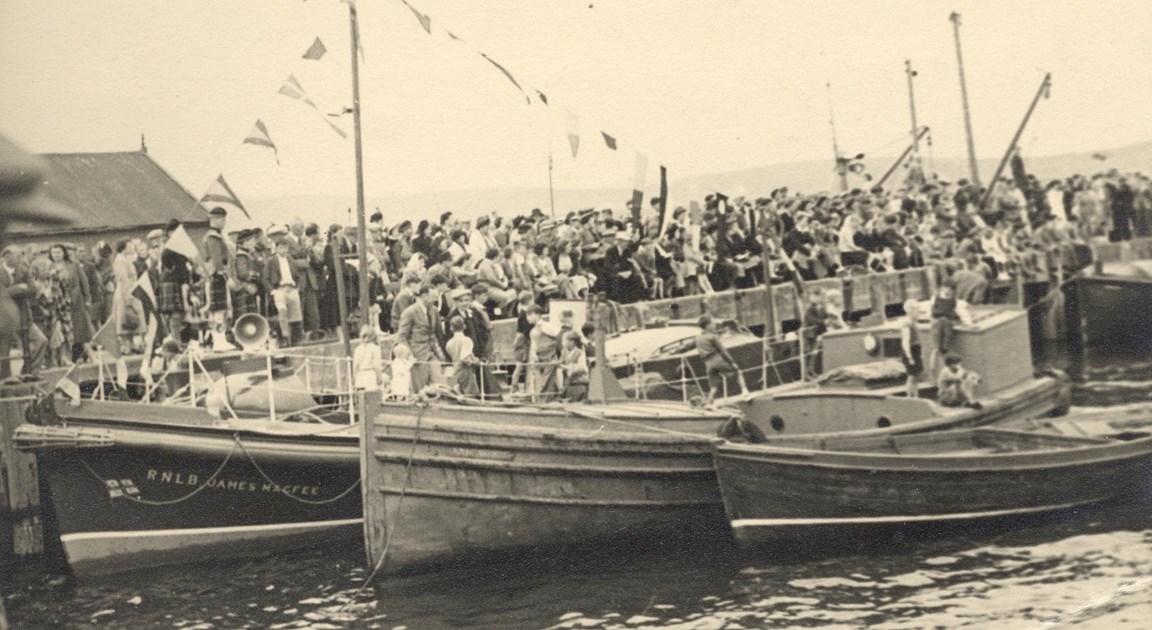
x=42 y=411
x=736 y=429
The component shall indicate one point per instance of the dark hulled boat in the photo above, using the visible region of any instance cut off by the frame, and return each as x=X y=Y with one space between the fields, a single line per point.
x=781 y=493
x=136 y=485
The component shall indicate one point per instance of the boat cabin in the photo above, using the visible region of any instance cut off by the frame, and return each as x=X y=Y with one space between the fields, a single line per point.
x=995 y=345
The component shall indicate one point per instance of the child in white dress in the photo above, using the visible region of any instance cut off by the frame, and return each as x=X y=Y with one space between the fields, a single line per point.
x=402 y=362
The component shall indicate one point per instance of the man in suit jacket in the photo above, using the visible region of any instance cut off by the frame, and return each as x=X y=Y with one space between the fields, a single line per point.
x=16 y=283
x=282 y=277
x=420 y=331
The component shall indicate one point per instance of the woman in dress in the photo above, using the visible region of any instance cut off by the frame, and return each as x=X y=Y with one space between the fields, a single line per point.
x=56 y=297
x=366 y=360
x=126 y=310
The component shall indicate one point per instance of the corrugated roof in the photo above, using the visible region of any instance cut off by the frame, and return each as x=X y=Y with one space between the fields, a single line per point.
x=115 y=190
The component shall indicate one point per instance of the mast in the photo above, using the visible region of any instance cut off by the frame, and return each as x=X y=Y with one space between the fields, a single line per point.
x=900 y=160
x=955 y=18
x=361 y=228
x=841 y=164
x=912 y=107
x=1045 y=86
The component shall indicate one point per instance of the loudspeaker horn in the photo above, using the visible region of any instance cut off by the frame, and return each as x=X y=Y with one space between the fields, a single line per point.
x=250 y=331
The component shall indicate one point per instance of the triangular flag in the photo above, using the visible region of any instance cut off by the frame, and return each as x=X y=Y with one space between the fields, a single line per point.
x=181 y=243
x=508 y=75
x=609 y=140
x=293 y=89
x=543 y=98
x=424 y=18
x=259 y=136
x=219 y=192
x=316 y=50
x=70 y=389
x=573 y=132
x=107 y=340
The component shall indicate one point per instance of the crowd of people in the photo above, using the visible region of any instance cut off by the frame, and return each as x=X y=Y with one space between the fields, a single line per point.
x=497 y=267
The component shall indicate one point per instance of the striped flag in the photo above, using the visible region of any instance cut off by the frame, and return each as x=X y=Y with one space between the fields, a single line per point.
x=259 y=137
x=147 y=297
x=424 y=19
x=315 y=51
x=573 y=132
x=220 y=193
x=293 y=90
x=609 y=140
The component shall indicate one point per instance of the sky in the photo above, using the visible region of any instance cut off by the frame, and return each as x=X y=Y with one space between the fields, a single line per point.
x=701 y=87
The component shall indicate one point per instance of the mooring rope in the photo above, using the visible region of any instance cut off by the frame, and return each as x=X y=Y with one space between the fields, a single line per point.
x=399 y=502
x=186 y=497
x=283 y=488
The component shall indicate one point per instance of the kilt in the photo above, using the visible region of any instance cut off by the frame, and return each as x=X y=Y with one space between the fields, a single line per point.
x=218 y=293
x=170 y=298
x=244 y=302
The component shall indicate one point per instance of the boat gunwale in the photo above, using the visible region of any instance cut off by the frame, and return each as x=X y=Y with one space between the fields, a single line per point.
x=558 y=501
x=441 y=461
x=1075 y=456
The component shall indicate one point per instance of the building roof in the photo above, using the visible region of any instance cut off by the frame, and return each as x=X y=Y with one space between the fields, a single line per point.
x=114 y=191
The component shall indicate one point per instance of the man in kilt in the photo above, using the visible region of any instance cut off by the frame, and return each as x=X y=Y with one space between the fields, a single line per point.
x=175 y=277
x=246 y=295
x=219 y=270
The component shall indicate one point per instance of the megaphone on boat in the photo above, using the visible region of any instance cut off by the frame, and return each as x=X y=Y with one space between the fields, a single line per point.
x=250 y=331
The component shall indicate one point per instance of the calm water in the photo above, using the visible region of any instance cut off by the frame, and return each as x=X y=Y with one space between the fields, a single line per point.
x=1088 y=568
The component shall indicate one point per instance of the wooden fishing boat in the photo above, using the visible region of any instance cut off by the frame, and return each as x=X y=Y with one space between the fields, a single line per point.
x=863 y=392
x=441 y=487
x=136 y=484
x=779 y=493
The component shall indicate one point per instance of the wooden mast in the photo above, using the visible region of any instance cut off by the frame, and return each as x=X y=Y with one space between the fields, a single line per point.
x=361 y=228
x=919 y=169
x=973 y=171
x=1045 y=85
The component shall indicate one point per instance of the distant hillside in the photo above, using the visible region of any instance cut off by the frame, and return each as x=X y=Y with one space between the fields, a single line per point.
x=753 y=182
